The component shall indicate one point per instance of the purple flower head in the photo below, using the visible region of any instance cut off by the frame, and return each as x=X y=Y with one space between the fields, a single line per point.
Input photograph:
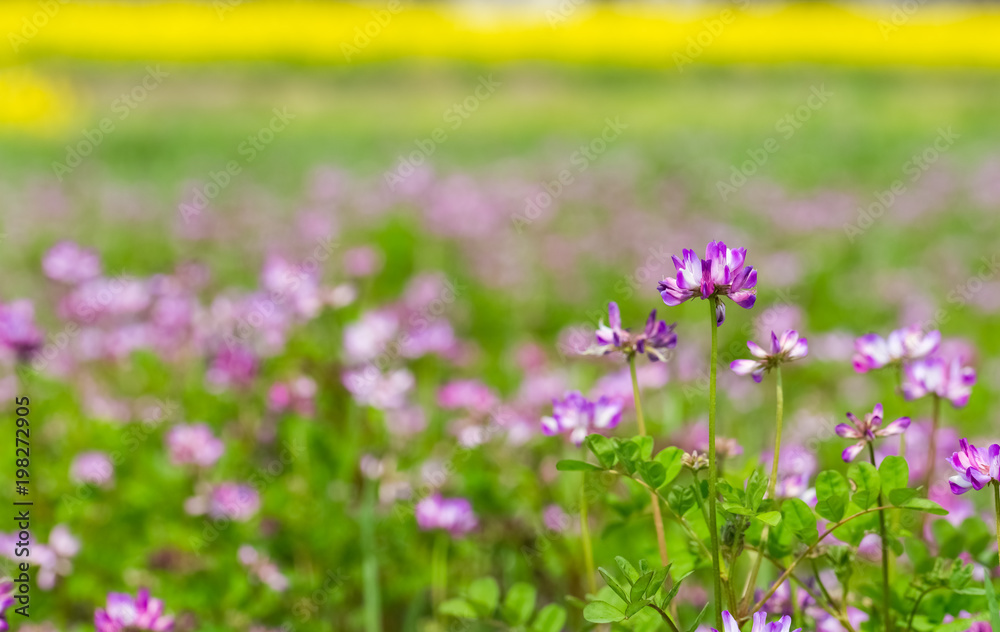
x=947 y=379
x=786 y=348
x=578 y=416
x=92 y=468
x=233 y=365
x=760 y=624
x=654 y=339
x=193 y=444
x=453 y=515
x=6 y=601
x=721 y=273
x=471 y=395
x=18 y=330
x=69 y=263
x=871 y=351
x=125 y=613
x=865 y=431
x=796 y=466
x=975 y=468
x=235 y=501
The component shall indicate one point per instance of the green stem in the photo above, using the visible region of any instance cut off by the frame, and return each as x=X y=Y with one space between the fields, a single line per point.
x=372 y=597
x=661 y=540
x=588 y=550
x=996 y=497
x=439 y=570
x=713 y=470
x=886 y=622
x=932 y=443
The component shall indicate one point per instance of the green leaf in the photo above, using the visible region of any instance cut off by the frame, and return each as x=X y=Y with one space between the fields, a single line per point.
x=659 y=576
x=927 y=506
x=671 y=460
x=737 y=508
x=832 y=495
x=458 y=608
x=653 y=473
x=640 y=586
x=771 y=518
x=519 y=603
x=901 y=496
x=729 y=493
x=645 y=445
x=779 y=541
x=603 y=449
x=634 y=608
x=756 y=488
x=551 y=618
x=991 y=602
x=484 y=593
x=614 y=585
x=628 y=455
x=630 y=573
x=667 y=598
x=798 y=517
x=894 y=472
x=919 y=554
x=569 y=465
x=868 y=484
x=682 y=499
x=961 y=575
x=602 y=612
x=950 y=540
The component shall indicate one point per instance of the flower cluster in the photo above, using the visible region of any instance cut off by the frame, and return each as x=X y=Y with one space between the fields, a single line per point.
x=760 y=624
x=123 y=613
x=578 y=416
x=453 y=515
x=786 y=348
x=975 y=468
x=866 y=430
x=872 y=351
x=947 y=378
x=720 y=273
x=654 y=340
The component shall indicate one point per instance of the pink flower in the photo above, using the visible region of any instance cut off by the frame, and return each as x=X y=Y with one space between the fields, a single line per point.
x=18 y=331
x=234 y=365
x=362 y=261
x=298 y=395
x=871 y=351
x=262 y=568
x=471 y=395
x=577 y=416
x=654 y=340
x=975 y=468
x=125 y=613
x=867 y=430
x=92 y=467
x=369 y=387
x=788 y=348
x=454 y=515
x=70 y=263
x=194 y=444
x=760 y=624
x=947 y=379
x=720 y=273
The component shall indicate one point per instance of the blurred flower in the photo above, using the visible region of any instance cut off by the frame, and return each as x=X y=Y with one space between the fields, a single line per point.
x=407 y=420
x=234 y=365
x=947 y=379
x=555 y=518
x=193 y=444
x=124 y=613
x=298 y=395
x=454 y=515
x=867 y=430
x=579 y=417
x=362 y=261
x=92 y=467
x=69 y=263
x=436 y=337
x=871 y=351
x=18 y=331
x=721 y=273
x=6 y=601
x=383 y=391
x=234 y=501
x=796 y=466
x=656 y=338
x=788 y=348
x=292 y=285
x=370 y=336
x=56 y=557
x=471 y=395
x=976 y=468
x=695 y=460
x=262 y=568
x=760 y=624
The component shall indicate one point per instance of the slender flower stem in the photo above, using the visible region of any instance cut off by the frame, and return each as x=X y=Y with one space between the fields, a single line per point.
x=661 y=539
x=713 y=470
x=932 y=444
x=886 y=622
x=899 y=390
x=372 y=597
x=439 y=570
x=771 y=485
x=588 y=549
x=996 y=497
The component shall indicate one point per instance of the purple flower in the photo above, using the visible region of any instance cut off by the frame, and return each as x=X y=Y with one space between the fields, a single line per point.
x=125 y=613
x=234 y=501
x=721 y=273
x=866 y=431
x=262 y=568
x=976 y=468
x=453 y=515
x=787 y=348
x=18 y=330
x=796 y=466
x=656 y=338
x=760 y=624
x=92 y=467
x=193 y=444
x=70 y=263
x=556 y=519
x=6 y=601
x=298 y=395
x=871 y=351
x=233 y=365
x=369 y=387
x=471 y=395
x=579 y=417
x=947 y=379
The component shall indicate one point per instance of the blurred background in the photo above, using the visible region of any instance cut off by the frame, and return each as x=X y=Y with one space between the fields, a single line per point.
x=519 y=163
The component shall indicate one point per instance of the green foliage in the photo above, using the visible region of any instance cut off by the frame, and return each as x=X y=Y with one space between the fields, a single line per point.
x=638 y=589
x=482 y=603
